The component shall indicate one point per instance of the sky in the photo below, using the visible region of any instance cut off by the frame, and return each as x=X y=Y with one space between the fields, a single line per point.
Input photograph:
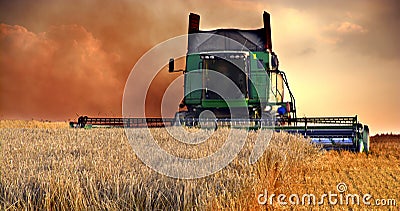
x=60 y=59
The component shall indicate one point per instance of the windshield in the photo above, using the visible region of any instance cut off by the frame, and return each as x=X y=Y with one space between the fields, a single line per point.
x=234 y=68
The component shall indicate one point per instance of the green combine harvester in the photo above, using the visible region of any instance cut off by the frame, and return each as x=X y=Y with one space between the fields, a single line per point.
x=232 y=78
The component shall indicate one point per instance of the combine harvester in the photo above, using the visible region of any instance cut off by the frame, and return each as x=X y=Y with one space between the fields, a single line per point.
x=247 y=59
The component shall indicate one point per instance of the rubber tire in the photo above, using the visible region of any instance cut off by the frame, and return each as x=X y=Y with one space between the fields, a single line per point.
x=360 y=148
x=366 y=138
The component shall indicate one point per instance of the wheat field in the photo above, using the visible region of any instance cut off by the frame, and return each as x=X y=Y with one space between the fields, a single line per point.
x=48 y=166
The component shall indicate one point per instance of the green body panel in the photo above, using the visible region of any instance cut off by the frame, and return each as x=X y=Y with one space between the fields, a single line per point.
x=260 y=83
x=207 y=103
x=258 y=86
x=193 y=81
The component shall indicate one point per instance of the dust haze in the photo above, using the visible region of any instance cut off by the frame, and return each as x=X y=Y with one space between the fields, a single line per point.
x=62 y=58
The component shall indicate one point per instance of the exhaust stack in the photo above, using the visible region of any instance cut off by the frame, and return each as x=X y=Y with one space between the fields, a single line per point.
x=194 y=22
x=267 y=27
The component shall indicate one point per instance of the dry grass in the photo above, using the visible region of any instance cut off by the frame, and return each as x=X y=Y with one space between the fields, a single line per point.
x=49 y=166
x=32 y=124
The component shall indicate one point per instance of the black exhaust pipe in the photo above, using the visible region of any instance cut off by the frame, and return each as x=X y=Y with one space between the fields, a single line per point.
x=267 y=28
x=194 y=23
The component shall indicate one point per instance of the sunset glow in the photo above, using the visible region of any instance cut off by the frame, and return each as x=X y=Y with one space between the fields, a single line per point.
x=60 y=59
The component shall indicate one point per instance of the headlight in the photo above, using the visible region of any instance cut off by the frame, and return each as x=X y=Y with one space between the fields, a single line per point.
x=268 y=108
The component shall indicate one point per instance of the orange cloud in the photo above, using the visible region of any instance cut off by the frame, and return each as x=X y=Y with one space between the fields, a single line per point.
x=60 y=57
x=347 y=27
x=56 y=73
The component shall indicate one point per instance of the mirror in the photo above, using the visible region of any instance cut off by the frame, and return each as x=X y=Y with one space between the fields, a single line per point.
x=171 y=65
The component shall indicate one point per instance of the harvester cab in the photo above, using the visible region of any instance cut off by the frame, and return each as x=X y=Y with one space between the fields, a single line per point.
x=254 y=83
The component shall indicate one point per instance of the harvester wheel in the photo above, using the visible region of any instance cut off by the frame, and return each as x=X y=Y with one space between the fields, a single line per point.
x=366 y=138
x=363 y=143
x=360 y=146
